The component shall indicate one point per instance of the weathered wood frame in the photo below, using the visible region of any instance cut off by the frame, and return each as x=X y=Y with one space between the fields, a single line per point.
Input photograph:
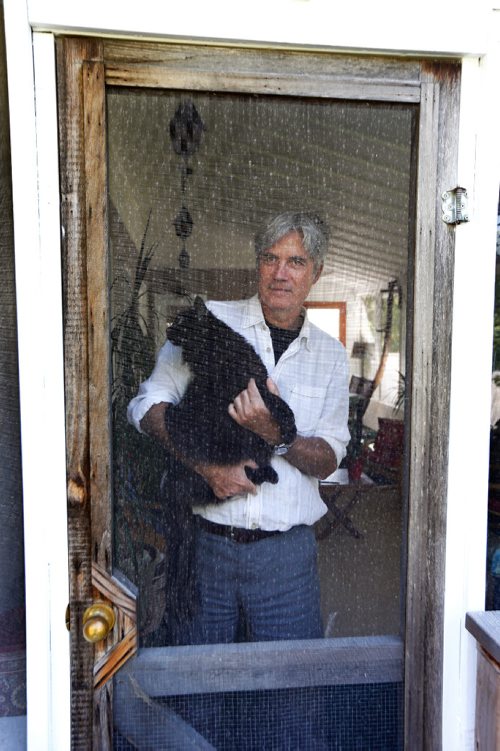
x=84 y=66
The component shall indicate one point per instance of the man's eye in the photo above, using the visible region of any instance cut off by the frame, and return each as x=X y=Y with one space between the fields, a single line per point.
x=297 y=262
x=267 y=258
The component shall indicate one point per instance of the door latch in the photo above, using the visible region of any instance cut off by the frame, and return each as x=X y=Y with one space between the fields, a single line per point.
x=455 y=206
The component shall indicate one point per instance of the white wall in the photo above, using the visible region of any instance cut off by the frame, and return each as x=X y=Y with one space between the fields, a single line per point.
x=426 y=26
x=34 y=153
x=407 y=28
x=479 y=170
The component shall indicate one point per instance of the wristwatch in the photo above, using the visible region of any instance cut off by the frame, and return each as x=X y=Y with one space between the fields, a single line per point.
x=281 y=449
x=287 y=441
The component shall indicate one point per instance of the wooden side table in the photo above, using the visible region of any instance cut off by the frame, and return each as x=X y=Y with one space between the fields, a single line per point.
x=485 y=627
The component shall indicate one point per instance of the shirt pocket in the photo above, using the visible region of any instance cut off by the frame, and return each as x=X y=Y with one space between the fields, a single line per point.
x=307 y=404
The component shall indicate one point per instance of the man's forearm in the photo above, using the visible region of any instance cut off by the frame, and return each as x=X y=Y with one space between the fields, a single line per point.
x=153 y=424
x=225 y=481
x=312 y=456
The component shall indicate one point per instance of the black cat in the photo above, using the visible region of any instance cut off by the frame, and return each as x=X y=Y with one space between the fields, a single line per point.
x=221 y=362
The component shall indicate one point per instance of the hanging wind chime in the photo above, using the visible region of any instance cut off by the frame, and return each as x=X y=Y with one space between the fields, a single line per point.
x=186 y=128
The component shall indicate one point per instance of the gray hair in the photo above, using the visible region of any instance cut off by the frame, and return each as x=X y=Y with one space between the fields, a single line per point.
x=313 y=230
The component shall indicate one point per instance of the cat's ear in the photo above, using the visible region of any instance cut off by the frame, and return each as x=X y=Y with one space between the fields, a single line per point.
x=200 y=308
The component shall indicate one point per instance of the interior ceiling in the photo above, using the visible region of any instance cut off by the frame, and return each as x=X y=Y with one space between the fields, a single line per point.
x=260 y=155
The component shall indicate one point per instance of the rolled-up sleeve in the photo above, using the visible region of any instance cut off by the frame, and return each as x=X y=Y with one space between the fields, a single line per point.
x=167 y=383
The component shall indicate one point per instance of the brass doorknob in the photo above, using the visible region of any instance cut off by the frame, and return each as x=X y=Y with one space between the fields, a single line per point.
x=98 y=620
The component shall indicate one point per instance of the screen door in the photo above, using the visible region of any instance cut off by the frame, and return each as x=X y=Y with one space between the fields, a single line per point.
x=181 y=224
x=190 y=167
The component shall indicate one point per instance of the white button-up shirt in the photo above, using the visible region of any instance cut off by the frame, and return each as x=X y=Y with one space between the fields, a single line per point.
x=312 y=377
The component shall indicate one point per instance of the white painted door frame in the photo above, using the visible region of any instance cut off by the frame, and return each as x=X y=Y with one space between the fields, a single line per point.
x=31 y=78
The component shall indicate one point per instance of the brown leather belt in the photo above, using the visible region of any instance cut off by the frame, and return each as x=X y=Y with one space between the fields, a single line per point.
x=237 y=534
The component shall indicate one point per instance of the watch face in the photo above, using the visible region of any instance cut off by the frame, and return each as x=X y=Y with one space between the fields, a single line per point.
x=281 y=449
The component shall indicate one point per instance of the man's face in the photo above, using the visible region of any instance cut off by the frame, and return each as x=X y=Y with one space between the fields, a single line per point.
x=286 y=274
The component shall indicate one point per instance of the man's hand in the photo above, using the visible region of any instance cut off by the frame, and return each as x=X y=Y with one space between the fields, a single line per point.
x=250 y=411
x=312 y=456
x=227 y=480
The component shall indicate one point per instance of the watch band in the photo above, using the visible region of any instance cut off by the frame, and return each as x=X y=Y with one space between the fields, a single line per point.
x=287 y=441
x=288 y=436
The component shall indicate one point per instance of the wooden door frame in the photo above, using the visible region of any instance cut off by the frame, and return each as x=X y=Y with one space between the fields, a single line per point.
x=84 y=65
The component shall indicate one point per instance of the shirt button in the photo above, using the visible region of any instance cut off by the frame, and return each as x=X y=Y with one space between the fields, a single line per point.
x=268 y=349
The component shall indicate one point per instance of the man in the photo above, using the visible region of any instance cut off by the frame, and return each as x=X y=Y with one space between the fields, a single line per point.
x=256 y=551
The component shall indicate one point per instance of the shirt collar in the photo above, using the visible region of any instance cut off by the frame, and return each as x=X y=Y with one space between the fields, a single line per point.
x=253 y=315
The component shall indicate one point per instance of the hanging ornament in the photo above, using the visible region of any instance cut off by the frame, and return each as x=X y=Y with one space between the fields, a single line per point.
x=183 y=224
x=186 y=129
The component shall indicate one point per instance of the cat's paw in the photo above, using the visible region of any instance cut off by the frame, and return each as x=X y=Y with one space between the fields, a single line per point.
x=262 y=474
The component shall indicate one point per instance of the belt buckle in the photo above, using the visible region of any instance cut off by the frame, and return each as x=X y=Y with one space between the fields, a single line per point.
x=232 y=534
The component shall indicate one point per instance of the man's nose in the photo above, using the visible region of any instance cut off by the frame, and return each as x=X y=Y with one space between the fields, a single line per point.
x=281 y=270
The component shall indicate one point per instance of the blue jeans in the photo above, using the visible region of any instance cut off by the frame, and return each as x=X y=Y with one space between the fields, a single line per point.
x=272 y=585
